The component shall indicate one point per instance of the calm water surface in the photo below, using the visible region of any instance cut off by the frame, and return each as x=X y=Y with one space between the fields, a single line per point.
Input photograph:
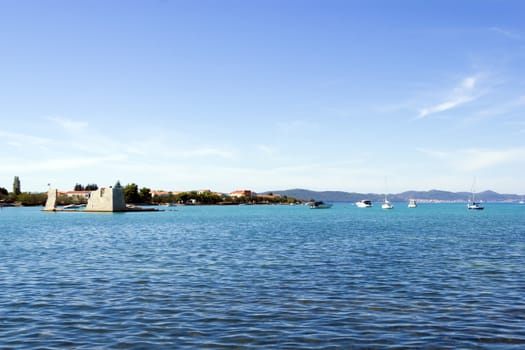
x=286 y=277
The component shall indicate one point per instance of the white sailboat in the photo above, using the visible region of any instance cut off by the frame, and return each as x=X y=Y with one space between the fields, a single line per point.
x=472 y=204
x=412 y=203
x=386 y=204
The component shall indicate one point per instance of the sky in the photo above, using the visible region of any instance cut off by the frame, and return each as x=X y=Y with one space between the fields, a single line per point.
x=357 y=96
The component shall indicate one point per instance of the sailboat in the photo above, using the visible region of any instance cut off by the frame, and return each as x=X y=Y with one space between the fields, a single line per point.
x=472 y=204
x=386 y=204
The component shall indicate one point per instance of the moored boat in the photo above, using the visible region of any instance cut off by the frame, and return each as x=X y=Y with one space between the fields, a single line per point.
x=472 y=204
x=412 y=203
x=320 y=205
x=387 y=205
x=365 y=203
x=74 y=206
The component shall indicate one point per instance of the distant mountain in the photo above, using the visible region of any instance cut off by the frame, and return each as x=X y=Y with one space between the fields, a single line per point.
x=422 y=196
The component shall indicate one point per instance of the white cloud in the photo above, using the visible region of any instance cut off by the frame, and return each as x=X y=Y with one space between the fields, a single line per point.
x=444 y=106
x=204 y=152
x=433 y=153
x=68 y=124
x=59 y=164
x=297 y=126
x=463 y=93
x=476 y=159
x=265 y=149
x=479 y=159
x=17 y=139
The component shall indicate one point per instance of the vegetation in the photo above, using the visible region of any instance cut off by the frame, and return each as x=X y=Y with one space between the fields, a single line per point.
x=23 y=198
x=16 y=186
x=31 y=199
x=88 y=187
x=208 y=198
x=132 y=194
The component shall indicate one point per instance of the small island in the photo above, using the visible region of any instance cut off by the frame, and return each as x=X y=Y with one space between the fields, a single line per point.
x=100 y=200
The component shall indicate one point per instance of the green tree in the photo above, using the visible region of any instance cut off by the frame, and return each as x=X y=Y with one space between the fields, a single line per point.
x=131 y=193
x=3 y=191
x=26 y=198
x=91 y=187
x=16 y=186
x=145 y=195
x=78 y=187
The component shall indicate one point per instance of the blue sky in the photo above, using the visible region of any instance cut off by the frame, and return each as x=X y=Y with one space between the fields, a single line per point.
x=263 y=95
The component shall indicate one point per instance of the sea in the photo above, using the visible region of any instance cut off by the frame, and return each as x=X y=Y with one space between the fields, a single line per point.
x=264 y=277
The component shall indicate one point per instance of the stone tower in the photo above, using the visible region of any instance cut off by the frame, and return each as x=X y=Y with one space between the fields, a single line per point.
x=107 y=199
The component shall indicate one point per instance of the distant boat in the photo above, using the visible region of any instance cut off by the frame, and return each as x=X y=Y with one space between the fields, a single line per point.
x=320 y=205
x=387 y=204
x=365 y=203
x=412 y=203
x=74 y=206
x=472 y=204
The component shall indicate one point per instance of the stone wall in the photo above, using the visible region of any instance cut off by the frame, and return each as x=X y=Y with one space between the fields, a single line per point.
x=106 y=200
x=51 y=202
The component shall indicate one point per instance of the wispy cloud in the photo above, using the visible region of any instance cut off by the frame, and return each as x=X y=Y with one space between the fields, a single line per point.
x=18 y=139
x=433 y=153
x=204 y=152
x=68 y=124
x=476 y=159
x=60 y=164
x=507 y=33
x=463 y=93
x=297 y=125
x=266 y=150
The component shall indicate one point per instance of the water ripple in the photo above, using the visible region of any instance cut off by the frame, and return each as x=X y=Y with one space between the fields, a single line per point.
x=267 y=277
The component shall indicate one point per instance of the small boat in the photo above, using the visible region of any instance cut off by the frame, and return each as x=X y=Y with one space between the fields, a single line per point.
x=387 y=205
x=320 y=205
x=365 y=203
x=472 y=204
x=74 y=206
x=412 y=203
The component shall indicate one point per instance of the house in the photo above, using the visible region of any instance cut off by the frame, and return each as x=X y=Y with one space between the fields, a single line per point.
x=241 y=193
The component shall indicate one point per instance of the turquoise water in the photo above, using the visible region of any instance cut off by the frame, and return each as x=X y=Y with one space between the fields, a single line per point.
x=283 y=277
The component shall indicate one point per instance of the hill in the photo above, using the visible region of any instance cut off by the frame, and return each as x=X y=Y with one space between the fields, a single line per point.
x=422 y=196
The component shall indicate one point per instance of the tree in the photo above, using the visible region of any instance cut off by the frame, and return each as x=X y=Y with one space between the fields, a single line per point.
x=91 y=187
x=145 y=195
x=78 y=187
x=131 y=193
x=16 y=186
x=27 y=198
x=3 y=191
